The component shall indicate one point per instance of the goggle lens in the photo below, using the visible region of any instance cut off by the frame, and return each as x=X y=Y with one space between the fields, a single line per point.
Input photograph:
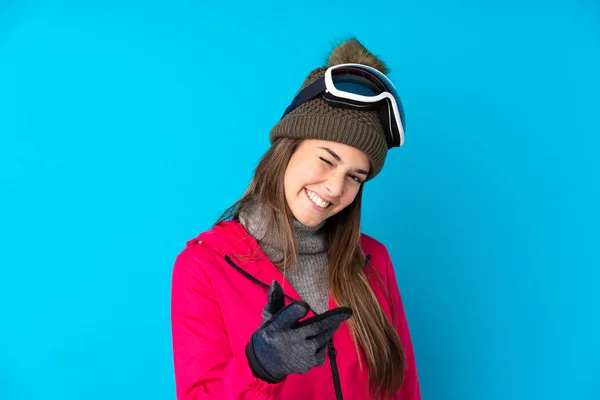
x=357 y=81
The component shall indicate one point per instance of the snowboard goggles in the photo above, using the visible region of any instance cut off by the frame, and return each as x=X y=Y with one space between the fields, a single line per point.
x=359 y=87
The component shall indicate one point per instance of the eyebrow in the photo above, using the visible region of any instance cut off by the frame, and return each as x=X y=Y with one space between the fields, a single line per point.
x=339 y=159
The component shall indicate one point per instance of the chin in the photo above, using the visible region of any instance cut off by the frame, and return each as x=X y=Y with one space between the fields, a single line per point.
x=308 y=220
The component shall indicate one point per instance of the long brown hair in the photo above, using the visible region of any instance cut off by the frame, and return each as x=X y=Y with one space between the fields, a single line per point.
x=348 y=267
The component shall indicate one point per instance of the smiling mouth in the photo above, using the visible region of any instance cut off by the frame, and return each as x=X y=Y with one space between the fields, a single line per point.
x=315 y=198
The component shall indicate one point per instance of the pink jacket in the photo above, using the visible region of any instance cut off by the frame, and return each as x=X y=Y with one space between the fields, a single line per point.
x=218 y=294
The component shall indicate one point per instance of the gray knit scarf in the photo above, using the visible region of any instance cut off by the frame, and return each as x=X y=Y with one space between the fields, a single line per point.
x=310 y=276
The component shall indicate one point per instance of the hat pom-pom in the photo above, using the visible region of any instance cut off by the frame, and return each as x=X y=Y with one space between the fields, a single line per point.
x=352 y=51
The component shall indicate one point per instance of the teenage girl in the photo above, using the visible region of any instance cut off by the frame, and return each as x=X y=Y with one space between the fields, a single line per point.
x=284 y=298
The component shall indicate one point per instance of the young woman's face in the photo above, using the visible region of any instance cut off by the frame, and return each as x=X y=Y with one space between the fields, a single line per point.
x=322 y=178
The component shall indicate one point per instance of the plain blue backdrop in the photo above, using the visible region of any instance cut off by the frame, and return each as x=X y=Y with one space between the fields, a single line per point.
x=126 y=128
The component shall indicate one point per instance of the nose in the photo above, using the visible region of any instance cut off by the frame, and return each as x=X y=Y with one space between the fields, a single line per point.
x=335 y=185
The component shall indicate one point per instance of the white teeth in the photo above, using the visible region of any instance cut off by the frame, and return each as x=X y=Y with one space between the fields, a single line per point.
x=316 y=199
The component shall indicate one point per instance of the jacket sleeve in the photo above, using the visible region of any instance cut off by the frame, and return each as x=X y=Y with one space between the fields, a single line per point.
x=410 y=389
x=205 y=367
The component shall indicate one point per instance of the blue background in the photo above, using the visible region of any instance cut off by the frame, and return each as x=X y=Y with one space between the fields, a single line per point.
x=126 y=128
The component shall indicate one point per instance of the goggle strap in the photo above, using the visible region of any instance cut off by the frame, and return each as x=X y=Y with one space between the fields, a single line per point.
x=308 y=93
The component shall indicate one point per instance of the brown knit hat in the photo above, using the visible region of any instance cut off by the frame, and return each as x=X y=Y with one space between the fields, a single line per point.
x=315 y=119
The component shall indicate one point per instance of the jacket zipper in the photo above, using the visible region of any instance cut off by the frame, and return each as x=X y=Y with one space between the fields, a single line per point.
x=330 y=347
x=334 y=370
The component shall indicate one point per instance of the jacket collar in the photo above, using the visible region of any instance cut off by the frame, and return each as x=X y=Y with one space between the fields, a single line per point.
x=230 y=238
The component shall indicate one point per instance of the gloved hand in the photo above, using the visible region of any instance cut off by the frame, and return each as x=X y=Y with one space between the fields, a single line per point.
x=283 y=346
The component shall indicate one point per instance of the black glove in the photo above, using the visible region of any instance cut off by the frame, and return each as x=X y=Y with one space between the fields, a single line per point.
x=282 y=345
